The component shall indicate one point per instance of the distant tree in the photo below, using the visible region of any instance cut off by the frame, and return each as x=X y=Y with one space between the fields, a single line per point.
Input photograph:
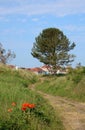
x=79 y=65
x=5 y=57
x=51 y=47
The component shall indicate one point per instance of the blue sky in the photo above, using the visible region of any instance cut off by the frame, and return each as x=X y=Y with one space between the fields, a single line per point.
x=23 y=20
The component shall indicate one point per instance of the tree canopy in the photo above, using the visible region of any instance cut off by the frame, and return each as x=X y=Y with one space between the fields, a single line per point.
x=52 y=47
x=5 y=57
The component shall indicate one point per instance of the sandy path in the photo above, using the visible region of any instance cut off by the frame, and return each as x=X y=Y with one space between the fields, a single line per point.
x=72 y=113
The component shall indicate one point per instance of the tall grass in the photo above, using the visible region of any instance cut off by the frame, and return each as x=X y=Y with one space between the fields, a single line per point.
x=14 y=88
x=71 y=85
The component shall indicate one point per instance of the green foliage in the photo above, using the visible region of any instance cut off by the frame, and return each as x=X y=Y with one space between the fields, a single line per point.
x=15 y=120
x=71 y=85
x=13 y=89
x=77 y=74
x=51 y=47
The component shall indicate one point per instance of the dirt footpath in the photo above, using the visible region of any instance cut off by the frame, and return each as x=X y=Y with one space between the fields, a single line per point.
x=72 y=113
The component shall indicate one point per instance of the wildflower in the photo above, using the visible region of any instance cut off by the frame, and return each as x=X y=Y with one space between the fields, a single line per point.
x=27 y=105
x=24 y=106
x=10 y=110
x=31 y=106
x=13 y=104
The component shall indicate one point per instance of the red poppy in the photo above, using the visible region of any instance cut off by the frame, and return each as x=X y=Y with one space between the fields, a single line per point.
x=31 y=106
x=27 y=105
x=10 y=110
x=13 y=104
x=24 y=108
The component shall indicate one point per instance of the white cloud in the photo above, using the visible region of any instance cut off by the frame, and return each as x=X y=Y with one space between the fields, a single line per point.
x=74 y=28
x=4 y=19
x=23 y=20
x=36 y=7
x=35 y=19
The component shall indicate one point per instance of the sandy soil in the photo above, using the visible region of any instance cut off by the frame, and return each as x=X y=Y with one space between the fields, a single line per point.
x=72 y=113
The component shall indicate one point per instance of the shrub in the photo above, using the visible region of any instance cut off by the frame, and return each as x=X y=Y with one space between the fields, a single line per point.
x=76 y=74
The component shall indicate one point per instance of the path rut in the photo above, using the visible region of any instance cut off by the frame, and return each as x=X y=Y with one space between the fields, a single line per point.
x=72 y=113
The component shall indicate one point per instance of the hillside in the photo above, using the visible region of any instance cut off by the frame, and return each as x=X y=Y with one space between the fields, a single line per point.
x=21 y=108
x=71 y=85
x=67 y=96
x=42 y=102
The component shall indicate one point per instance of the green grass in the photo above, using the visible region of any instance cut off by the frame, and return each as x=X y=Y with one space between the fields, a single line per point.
x=14 y=88
x=71 y=86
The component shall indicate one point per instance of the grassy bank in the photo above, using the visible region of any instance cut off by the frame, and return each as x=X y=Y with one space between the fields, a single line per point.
x=13 y=93
x=71 y=85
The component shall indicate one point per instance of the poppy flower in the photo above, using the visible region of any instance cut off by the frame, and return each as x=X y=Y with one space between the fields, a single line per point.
x=23 y=108
x=13 y=104
x=27 y=105
x=31 y=106
x=10 y=110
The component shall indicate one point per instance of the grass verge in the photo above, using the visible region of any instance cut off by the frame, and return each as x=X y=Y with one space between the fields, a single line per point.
x=14 y=90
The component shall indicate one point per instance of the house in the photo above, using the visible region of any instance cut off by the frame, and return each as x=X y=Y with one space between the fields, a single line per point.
x=37 y=70
x=11 y=66
x=46 y=68
x=61 y=72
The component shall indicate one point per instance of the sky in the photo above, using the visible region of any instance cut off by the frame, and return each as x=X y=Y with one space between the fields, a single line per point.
x=23 y=20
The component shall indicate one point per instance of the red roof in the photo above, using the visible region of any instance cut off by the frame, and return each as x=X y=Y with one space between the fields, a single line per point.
x=46 y=66
x=37 y=69
x=11 y=66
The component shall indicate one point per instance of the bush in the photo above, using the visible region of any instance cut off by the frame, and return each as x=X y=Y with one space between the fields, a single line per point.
x=76 y=74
